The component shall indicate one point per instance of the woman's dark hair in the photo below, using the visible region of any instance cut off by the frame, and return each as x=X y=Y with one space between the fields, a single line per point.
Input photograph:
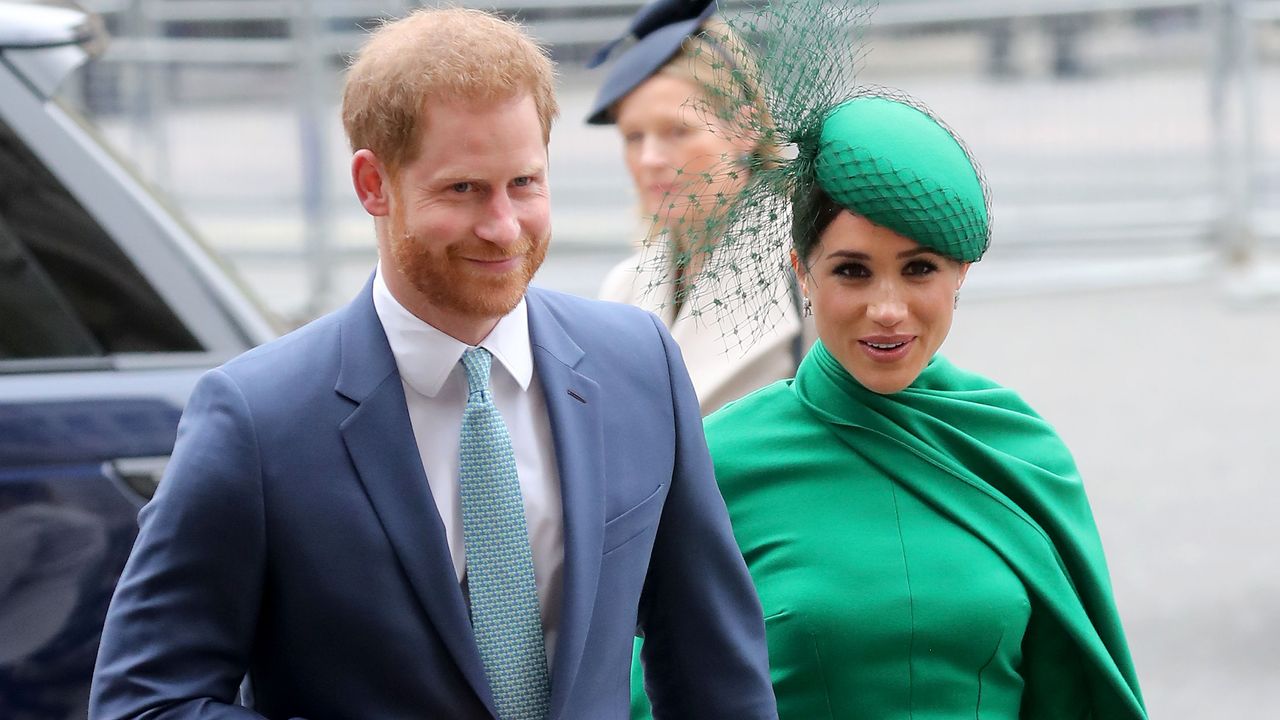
x=812 y=210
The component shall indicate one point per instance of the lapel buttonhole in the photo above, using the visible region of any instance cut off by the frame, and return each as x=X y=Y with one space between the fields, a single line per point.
x=577 y=397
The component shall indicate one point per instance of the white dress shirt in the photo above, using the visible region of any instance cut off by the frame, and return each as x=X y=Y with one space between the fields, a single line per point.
x=435 y=388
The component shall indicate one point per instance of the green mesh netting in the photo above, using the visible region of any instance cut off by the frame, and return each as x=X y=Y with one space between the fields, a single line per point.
x=782 y=80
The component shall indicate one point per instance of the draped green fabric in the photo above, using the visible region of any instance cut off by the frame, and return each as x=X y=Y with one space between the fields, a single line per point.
x=835 y=490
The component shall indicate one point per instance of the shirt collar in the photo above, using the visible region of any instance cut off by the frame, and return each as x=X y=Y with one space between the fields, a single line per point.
x=426 y=356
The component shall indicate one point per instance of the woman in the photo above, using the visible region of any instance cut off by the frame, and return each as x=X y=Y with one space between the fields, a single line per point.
x=667 y=96
x=919 y=537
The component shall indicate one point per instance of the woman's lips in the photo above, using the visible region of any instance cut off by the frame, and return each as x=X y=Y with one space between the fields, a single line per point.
x=887 y=349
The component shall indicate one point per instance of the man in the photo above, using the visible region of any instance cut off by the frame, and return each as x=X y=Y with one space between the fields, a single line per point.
x=454 y=498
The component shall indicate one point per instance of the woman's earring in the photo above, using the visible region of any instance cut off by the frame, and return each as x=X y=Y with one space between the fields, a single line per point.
x=955 y=302
x=808 y=307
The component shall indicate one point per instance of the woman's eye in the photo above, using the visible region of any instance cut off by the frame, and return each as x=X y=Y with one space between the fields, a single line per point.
x=851 y=270
x=632 y=138
x=919 y=267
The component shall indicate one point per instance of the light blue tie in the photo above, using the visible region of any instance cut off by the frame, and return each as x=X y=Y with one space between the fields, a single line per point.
x=504 y=598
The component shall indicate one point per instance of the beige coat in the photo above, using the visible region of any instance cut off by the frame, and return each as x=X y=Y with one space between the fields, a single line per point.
x=722 y=369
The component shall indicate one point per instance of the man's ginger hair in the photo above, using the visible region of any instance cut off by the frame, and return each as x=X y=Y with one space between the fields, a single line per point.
x=433 y=56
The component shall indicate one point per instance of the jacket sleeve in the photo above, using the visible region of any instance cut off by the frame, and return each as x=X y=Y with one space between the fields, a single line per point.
x=704 y=653
x=178 y=633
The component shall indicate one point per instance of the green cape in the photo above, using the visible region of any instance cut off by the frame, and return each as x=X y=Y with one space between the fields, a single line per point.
x=979 y=455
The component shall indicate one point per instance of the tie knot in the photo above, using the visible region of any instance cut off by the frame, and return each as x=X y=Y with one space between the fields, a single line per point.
x=477 y=362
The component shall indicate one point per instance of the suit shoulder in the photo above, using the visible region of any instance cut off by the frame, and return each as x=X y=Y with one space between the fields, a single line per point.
x=600 y=315
x=301 y=341
x=274 y=362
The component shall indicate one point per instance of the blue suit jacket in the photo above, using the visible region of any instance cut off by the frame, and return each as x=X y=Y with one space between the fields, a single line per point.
x=295 y=538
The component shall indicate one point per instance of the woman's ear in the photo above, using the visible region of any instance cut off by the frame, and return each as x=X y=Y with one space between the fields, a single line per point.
x=372 y=183
x=964 y=272
x=801 y=273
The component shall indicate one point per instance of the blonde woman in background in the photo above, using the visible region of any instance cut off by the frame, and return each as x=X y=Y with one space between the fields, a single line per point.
x=665 y=94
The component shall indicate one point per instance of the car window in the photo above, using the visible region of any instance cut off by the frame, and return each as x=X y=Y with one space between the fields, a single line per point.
x=66 y=289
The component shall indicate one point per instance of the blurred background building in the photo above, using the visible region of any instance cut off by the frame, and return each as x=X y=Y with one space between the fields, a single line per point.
x=1132 y=292
x=1124 y=140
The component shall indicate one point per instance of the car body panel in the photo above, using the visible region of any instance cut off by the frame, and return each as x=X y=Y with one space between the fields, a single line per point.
x=84 y=435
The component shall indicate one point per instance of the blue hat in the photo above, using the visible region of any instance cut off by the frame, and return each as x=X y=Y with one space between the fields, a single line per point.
x=659 y=29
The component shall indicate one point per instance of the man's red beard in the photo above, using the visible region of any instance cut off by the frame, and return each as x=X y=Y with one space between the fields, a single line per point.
x=446 y=281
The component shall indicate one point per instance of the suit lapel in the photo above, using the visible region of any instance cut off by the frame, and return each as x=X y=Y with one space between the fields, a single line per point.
x=577 y=429
x=379 y=438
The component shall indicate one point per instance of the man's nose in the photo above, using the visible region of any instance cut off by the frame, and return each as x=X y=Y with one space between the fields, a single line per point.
x=499 y=223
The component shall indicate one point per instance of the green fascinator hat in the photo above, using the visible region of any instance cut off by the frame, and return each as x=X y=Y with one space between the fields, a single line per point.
x=897 y=166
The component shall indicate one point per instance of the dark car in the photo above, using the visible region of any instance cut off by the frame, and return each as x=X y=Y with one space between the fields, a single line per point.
x=109 y=312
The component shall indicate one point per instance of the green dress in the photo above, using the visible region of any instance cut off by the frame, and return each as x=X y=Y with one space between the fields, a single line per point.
x=927 y=554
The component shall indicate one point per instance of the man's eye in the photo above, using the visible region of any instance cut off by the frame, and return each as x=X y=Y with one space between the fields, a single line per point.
x=919 y=267
x=523 y=181
x=461 y=187
x=851 y=270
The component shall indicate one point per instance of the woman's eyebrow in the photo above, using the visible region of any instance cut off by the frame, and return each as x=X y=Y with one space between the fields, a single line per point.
x=916 y=251
x=853 y=255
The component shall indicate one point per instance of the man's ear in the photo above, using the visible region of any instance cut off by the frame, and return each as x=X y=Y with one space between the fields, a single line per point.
x=372 y=182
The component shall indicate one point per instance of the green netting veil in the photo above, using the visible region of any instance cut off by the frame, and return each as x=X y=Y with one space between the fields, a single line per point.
x=783 y=82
